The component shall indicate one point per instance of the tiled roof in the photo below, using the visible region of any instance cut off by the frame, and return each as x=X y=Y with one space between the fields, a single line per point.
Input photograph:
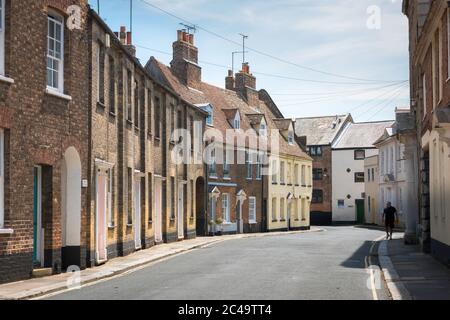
x=222 y=100
x=320 y=130
x=361 y=135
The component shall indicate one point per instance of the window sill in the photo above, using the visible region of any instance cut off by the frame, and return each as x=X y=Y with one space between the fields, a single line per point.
x=57 y=94
x=101 y=105
x=274 y=221
x=227 y=178
x=110 y=227
x=213 y=177
x=112 y=114
x=6 y=79
x=6 y=231
x=252 y=222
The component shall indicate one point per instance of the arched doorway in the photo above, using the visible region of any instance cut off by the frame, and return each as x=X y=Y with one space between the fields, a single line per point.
x=200 y=208
x=71 y=208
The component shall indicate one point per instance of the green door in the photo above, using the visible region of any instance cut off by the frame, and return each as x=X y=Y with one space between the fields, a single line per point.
x=360 y=211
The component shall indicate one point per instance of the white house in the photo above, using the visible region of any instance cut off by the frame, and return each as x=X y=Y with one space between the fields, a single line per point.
x=353 y=145
x=392 y=179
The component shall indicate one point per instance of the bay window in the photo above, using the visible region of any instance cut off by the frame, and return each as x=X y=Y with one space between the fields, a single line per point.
x=55 y=52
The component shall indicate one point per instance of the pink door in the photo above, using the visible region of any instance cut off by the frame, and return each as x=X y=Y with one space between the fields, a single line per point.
x=101 y=253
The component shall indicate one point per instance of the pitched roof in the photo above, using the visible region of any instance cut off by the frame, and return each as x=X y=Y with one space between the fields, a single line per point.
x=361 y=135
x=320 y=130
x=222 y=100
x=282 y=124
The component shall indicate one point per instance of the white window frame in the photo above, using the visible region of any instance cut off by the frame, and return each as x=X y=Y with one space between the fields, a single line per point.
x=226 y=207
x=209 y=110
x=282 y=172
x=2 y=37
x=341 y=206
x=2 y=179
x=282 y=209
x=58 y=20
x=274 y=171
x=249 y=164
x=259 y=166
x=252 y=210
x=237 y=121
x=274 y=209
x=263 y=129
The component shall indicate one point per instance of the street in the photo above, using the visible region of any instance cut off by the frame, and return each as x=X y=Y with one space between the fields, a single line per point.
x=317 y=265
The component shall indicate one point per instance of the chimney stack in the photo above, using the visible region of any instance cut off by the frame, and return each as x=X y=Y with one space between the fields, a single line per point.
x=184 y=64
x=245 y=83
x=126 y=40
x=229 y=80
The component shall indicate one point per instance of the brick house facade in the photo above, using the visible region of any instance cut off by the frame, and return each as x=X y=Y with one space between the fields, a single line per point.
x=141 y=196
x=44 y=137
x=429 y=46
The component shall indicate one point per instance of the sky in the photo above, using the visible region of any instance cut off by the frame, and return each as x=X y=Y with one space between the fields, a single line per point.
x=314 y=57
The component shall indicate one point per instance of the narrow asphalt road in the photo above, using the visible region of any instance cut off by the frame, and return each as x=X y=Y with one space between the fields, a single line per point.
x=319 y=265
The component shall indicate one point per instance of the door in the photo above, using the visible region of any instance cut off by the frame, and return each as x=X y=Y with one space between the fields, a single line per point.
x=101 y=251
x=180 y=218
x=137 y=213
x=360 y=211
x=158 y=211
x=38 y=234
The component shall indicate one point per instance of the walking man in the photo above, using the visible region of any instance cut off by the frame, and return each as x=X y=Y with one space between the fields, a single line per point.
x=390 y=216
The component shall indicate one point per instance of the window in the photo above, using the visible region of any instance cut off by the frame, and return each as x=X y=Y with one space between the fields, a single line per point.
x=248 y=161
x=252 y=210
x=237 y=121
x=212 y=164
x=317 y=196
x=303 y=175
x=226 y=165
x=282 y=173
x=112 y=86
x=296 y=181
x=129 y=91
x=263 y=129
x=55 y=52
x=274 y=209
x=360 y=154
x=110 y=198
x=149 y=110
x=373 y=174
x=274 y=172
x=157 y=118
x=440 y=64
x=259 y=166
x=282 y=213
x=289 y=173
x=2 y=178
x=191 y=132
x=226 y=207
x=291 y=137
x=341 y=204
x=317 y=174
x=369 y=204
x=315 y=151
x=424 y=94
x=209 y=118
x=296 y=208
x=172 y=198
x=136 y=104
x=100 y=73
x=303 y=209
x=359 y=177
x=2 y=37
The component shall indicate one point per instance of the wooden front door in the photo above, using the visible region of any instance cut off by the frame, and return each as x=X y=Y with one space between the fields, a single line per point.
x=101 y=224
x=38 y=234
x=137 y=213
x=158 y=211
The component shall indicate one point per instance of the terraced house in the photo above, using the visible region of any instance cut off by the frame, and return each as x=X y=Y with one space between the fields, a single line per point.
x=44 y=99
x=140 y=195
x=239 y=193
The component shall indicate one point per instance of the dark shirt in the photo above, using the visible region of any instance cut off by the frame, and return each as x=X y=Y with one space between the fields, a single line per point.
x=389 y=213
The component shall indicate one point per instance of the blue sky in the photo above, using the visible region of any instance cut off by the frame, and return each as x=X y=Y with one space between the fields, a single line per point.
x=330 y=36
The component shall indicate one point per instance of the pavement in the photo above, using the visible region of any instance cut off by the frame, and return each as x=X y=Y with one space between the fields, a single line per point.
x=337 y=264
x=411 y=274
x=37 y=287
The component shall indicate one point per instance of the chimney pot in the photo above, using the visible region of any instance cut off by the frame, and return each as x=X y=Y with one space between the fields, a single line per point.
x=230 y=73
x=123 y=29
x=129 y=38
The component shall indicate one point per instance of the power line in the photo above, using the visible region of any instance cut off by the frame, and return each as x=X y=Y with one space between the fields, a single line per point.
x=394 y=97
x=266 y=54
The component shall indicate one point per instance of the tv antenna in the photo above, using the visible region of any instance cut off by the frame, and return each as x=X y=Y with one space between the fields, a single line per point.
x=244 y=37
x=232 y=58
x=189 y=28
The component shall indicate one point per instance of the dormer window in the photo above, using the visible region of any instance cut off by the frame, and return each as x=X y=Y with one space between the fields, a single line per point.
x=291 y=137
x=263 y=129
x=237 y=121
x=210 y=118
